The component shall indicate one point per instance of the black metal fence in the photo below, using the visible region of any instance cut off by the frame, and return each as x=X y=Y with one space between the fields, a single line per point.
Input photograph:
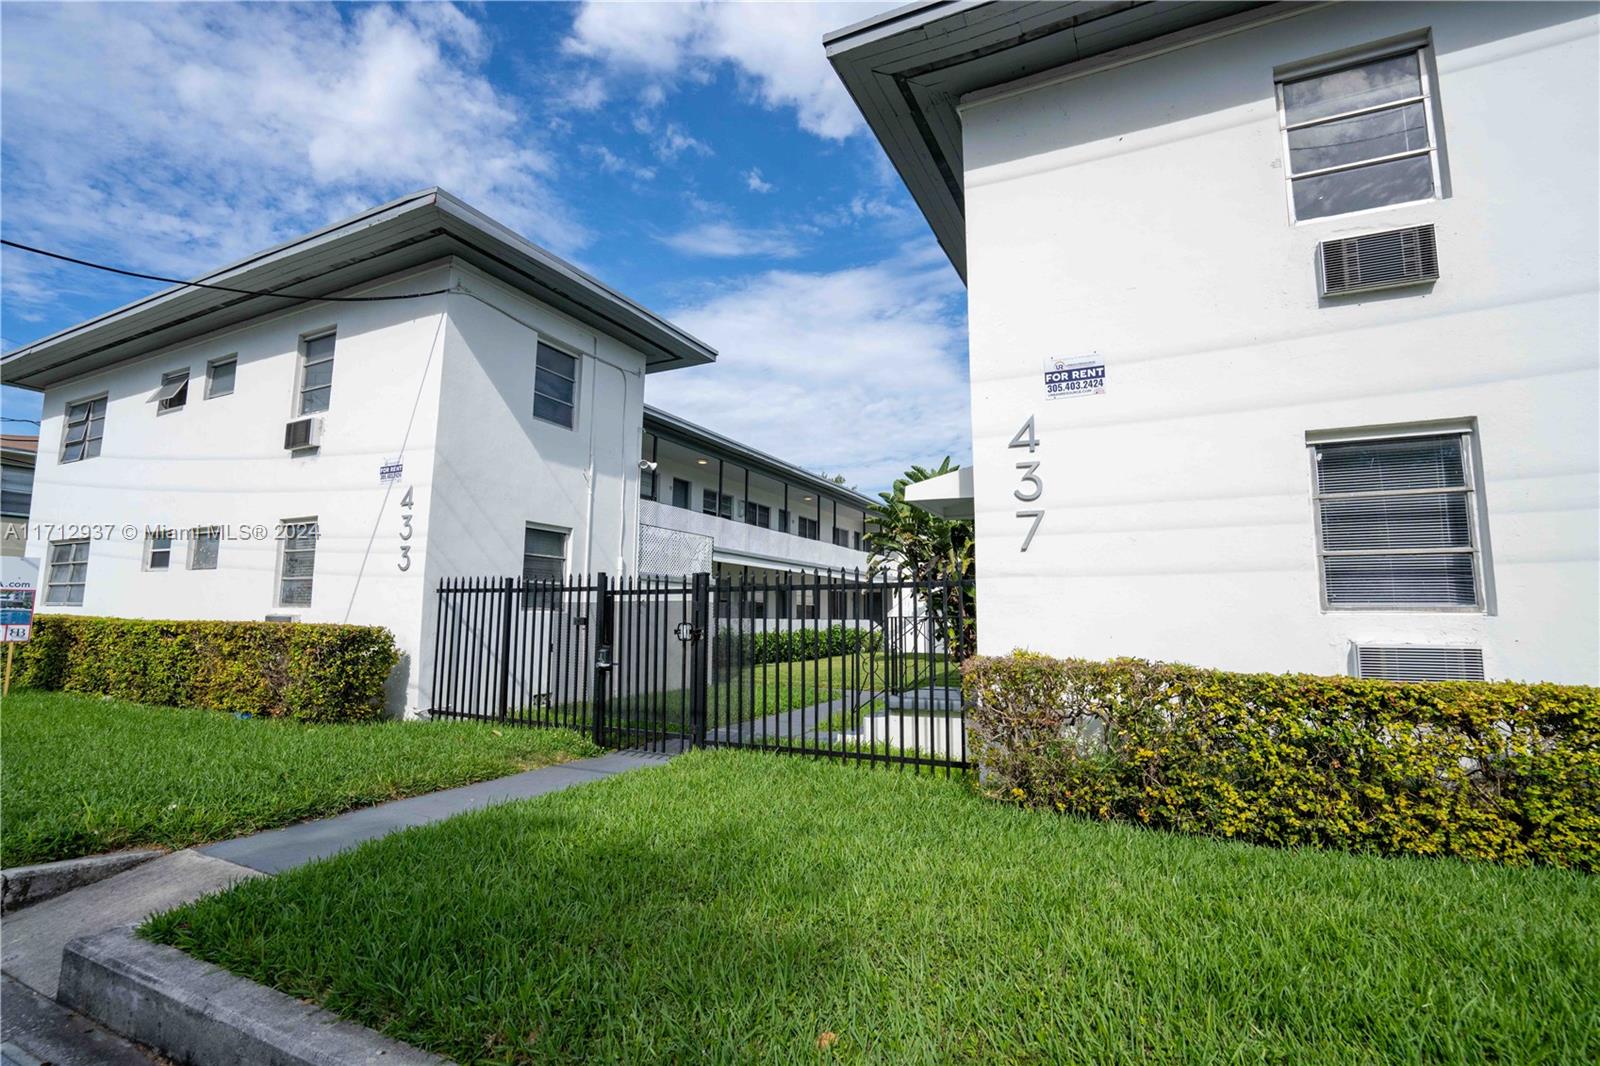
x=834 y=665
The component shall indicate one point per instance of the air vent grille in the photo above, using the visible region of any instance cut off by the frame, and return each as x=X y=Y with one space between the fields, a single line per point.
x=301 y=433
x=1410 y=662
x=1379 y=261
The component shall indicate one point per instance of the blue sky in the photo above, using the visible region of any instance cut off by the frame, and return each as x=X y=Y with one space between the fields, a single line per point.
x=701 y=158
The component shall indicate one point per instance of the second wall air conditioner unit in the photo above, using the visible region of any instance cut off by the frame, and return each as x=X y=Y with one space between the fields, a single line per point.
x=302 y=433
x=1374 y=261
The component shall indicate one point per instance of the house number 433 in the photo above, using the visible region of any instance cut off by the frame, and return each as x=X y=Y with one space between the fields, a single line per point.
x=1032 y=487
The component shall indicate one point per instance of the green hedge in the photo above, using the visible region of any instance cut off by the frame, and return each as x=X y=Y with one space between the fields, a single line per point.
x=307 y=671
x=782 y=646
x=1501 y=771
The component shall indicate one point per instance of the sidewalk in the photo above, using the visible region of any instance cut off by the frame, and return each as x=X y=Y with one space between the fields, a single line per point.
x=35 y=935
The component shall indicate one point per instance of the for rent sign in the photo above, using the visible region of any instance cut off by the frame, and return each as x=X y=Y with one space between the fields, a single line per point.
x=16 y=614
x=1080 y=377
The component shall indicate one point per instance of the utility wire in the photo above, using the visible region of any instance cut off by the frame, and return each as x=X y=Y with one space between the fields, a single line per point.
x=9 y=418
x=219 y=288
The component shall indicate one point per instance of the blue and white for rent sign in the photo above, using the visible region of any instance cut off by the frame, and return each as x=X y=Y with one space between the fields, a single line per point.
x=1075 y=377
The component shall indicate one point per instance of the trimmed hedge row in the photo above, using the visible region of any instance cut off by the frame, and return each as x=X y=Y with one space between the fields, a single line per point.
x=312 y=672
x=1500 y=771
x=781 y=646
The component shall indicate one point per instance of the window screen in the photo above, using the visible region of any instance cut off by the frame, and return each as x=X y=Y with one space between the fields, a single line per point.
x=68 y=573
x=544 y=555
x=174 y=391
x=158 y=550
x=219 y=377
x=297 y=561
x=204 y=548
x=555 y=383
x=1359 y=137
x=1396 y=520
x=316 y=374
x=85 y=425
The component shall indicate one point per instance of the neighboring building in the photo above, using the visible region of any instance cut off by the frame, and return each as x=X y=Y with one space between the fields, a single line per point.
x=17 y=456
x=1338 y=263
x=707 y=503
x=216 y=455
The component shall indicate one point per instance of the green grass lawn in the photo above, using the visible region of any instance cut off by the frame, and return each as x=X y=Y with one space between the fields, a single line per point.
x=81 y=774
x=772 y=688
x=736 y=907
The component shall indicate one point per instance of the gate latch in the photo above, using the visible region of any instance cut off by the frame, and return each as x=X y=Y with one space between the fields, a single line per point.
x=685 y=631
x=602 y=657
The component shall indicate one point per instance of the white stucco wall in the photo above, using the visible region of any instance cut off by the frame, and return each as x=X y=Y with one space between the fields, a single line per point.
x=221 y=462
x=1140 y=213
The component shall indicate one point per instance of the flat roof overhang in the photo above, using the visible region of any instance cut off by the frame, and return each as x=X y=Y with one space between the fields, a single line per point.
x=909 y=69
x=425 y=227
x=946 y=496
x=681 y=429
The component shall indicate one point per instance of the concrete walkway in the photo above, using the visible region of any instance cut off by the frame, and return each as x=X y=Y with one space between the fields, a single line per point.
x=277 y=850
x=34 y=936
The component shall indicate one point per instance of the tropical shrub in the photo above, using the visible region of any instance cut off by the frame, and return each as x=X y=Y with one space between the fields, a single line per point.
x=309 y=671
x=1501 y=771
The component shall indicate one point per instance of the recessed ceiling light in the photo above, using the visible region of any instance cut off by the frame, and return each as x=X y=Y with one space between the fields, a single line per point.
x=808 y=499
x=702 y=462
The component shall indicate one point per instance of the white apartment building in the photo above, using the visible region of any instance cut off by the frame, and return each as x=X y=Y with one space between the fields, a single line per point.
x=1283 y=321
x=330 y=454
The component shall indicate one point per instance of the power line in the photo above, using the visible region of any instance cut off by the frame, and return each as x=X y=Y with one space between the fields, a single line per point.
x=218 y=288
x=12 y=418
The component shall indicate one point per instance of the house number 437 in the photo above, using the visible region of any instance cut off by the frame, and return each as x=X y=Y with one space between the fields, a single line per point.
x=1032 y=487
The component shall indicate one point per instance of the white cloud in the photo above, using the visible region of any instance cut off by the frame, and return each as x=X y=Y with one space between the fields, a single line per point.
x=612 y=163
x=177 y=139
x=859 y=371
x=585 y=94
x=675 y=140
x=755 y=183
x=723 y=240
x=776 y=50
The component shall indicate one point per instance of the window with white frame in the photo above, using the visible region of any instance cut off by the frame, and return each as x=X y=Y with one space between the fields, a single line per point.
x=758 y=514
x=316 y=373
x=708 y=503
x=219 y=376
x=544 y=564
x=297 y=560
x=158 y=549
x=68 y=572
x=809 y=528
x=1397 y=522
x=1360 y=134
x=174 y=391
x=555 y=386
x=205 y=545
x=85 y=425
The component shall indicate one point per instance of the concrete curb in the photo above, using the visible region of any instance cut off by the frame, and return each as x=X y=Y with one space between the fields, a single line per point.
x=22 y=885
x=196 y=1012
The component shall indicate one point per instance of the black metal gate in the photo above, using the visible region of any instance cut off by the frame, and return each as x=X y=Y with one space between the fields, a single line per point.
x=813 y=664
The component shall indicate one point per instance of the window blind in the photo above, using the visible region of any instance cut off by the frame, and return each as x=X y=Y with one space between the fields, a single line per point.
x=1396 y=523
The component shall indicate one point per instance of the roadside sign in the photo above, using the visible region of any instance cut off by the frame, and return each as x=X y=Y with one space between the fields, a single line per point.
x=16 y=614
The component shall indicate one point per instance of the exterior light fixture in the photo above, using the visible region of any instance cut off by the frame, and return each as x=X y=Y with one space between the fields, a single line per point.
x=702 y=462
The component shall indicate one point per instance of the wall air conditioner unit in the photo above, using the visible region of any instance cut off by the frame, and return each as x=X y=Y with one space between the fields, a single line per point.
x=302 y=433
x=1418 y=662
x=1372 y=261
